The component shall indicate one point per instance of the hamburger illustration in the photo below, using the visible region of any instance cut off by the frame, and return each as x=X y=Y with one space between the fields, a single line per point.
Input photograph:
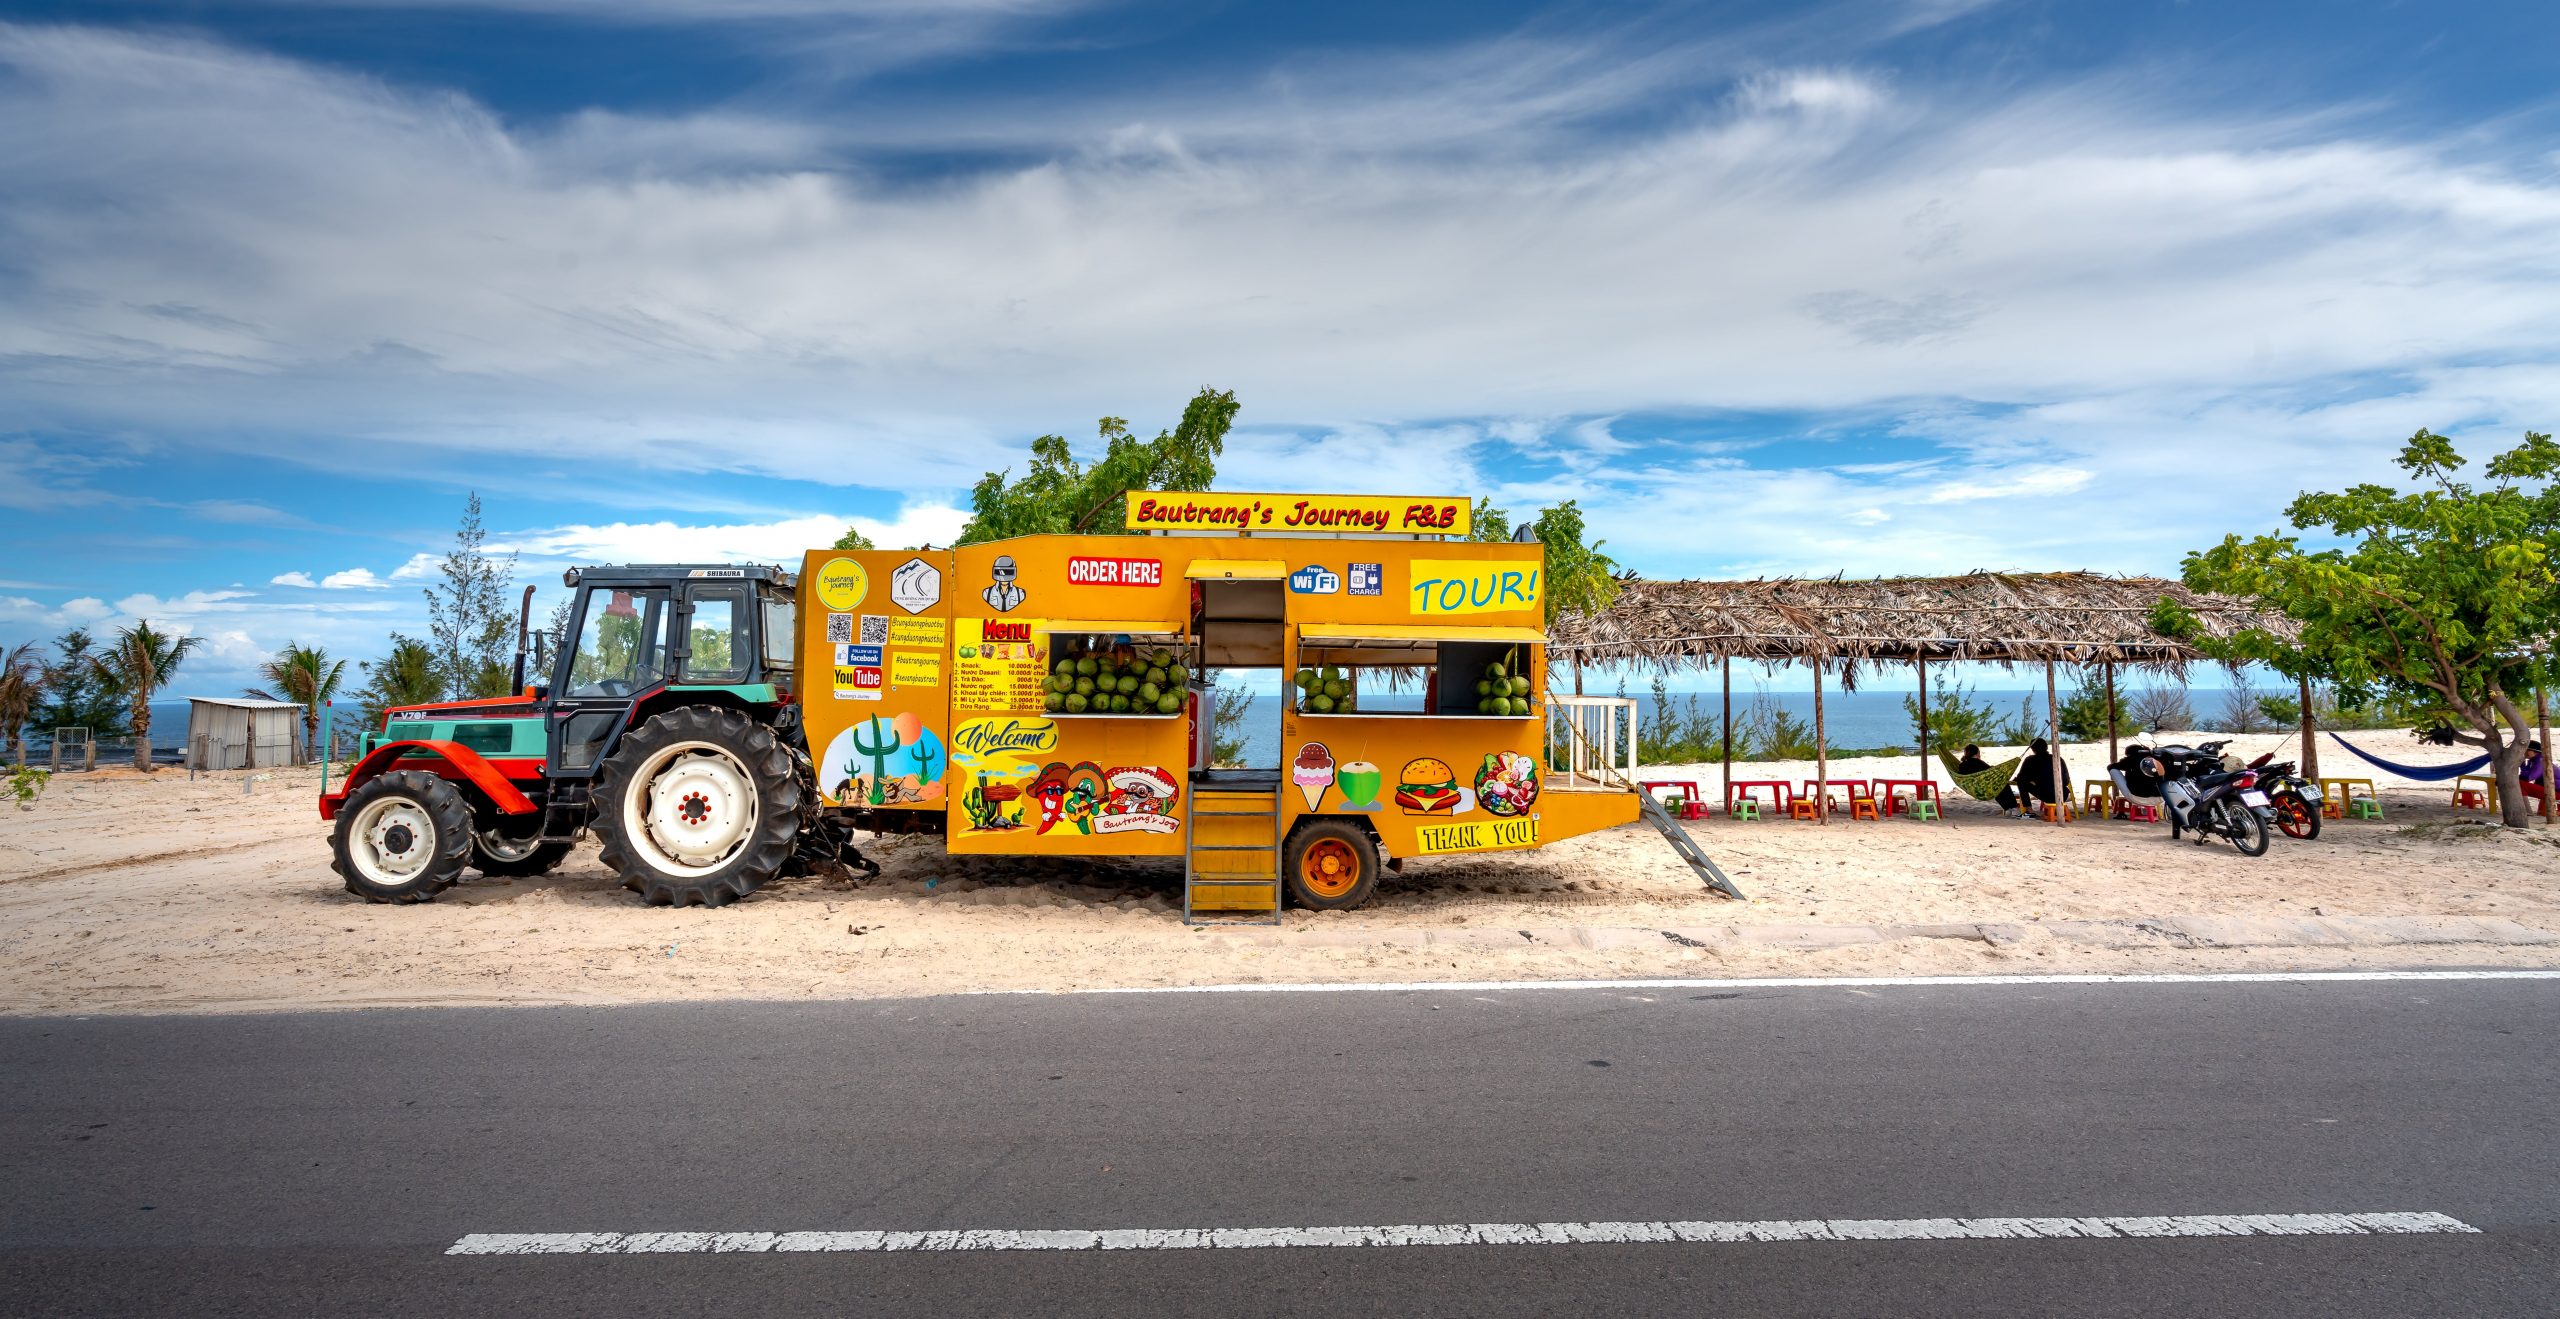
x=1429 y=787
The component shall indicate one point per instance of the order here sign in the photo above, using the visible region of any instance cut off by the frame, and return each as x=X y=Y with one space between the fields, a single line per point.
x=1092 y=570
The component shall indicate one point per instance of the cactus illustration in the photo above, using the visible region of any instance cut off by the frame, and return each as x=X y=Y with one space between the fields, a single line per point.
x=976 y=805
x=928 y=762
x=884 y=741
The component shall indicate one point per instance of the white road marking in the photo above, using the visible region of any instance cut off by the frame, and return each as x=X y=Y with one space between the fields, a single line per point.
x=1459 y=1234
x=1812 y=982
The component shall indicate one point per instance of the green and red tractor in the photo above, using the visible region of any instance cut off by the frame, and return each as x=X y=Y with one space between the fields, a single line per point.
x=665 y=723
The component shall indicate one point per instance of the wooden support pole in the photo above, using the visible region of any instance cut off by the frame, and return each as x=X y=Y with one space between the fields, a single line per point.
x=1821 y=752
x=2112 y=757
x=2542 y=725
x=2053 y=743
x=2310 y=742
x=1925 y=775
x=1728 y=734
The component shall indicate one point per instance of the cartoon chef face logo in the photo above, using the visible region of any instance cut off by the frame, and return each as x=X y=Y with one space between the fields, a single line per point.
x=1004 y=594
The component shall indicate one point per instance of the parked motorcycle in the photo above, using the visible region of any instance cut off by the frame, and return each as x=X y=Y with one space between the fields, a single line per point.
x=2205 y=792
x=2296 y=800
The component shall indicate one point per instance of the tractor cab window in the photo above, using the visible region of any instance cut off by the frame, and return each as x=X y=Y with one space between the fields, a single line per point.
x=622 y=644
x=781 y=632
x=713 y=654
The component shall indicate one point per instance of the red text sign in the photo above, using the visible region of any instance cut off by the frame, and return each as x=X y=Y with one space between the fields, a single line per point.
x=1083 y=570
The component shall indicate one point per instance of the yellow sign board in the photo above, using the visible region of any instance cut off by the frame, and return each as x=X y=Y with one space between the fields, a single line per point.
x=1225 y=510
x=842 y=584
x=915 y=668
x=1442 y=587
x=1475 y=836
x=930 y=632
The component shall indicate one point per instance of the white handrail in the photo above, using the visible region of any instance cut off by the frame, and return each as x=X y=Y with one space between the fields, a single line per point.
x=1594 y=745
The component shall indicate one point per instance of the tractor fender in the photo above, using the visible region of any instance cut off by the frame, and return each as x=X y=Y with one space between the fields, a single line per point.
x=460 y=762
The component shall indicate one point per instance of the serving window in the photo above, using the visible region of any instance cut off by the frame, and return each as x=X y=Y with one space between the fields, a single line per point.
x=1416 y=670
x=1116 y=670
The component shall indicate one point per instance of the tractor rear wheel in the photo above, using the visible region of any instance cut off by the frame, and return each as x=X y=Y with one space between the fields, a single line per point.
x=697 y=805
x=402 y=837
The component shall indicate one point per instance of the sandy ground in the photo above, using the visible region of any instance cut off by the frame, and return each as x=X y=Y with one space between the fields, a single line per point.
x=121 y=893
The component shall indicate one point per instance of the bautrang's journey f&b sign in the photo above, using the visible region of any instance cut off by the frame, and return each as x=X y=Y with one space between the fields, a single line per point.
x=1224 y=510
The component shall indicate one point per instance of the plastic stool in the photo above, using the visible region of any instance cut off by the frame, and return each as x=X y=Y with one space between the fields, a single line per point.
x=1923 y=809
x=2142 y=811
x=2055 y=812
x=1801 y=808
x=2364 y=808
x=2469 y=799
x=1745 y=809
x=1863 y=808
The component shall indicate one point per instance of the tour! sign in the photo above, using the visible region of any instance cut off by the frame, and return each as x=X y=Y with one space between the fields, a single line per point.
x=1223 y=510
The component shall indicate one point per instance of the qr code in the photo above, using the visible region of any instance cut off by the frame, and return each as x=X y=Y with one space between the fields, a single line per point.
x=839 y=629
x=875 y=629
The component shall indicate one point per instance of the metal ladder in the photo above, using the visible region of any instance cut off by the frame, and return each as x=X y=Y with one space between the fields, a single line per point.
x=1686 y=846
x=1221 y=886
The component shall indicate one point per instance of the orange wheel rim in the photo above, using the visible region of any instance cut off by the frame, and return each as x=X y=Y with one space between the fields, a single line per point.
x=1329 y=868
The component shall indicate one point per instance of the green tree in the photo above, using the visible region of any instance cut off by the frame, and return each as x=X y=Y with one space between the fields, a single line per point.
x=2087 y=713
x=405 y=677
x=853 y=539
x=21 y=682
x=76 y=696
x=2443 y=594
x=1488 y=523
x=1956 y=719
x=1579 y=577
x=136 y=665
x=472 y=629
x=1059 y=496
x=306 y=676
x=1227 y=725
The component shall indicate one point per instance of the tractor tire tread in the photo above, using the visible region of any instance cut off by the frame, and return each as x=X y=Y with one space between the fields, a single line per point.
x=444 y=804
x=778 y=798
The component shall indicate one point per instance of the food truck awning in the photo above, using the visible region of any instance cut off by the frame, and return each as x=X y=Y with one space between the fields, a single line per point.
x=1144 y=627
x=1416 y=633
x=1236 y=570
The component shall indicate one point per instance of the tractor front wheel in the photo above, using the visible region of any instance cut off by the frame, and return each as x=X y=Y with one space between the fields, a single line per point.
x=402 y=837
x=698 y=805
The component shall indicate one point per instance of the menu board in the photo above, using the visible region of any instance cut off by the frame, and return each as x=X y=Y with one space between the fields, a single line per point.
x=999 y=665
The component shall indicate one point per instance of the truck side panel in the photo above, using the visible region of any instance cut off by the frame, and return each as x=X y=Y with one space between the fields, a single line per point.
x=875 y=665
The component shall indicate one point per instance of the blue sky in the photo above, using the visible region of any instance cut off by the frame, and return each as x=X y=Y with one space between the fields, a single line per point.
x=1867 y=286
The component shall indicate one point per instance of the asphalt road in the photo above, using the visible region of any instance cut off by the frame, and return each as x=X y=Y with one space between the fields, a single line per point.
x=325 y=1163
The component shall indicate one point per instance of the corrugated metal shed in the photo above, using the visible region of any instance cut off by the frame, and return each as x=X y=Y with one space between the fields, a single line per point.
x=233 y=732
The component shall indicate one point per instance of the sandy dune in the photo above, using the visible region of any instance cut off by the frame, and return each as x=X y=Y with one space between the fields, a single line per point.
x=129 y=894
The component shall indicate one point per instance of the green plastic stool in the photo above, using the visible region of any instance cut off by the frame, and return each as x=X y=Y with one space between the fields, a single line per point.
x=2364 y=808
x=1923 y=809
x=1745 y=809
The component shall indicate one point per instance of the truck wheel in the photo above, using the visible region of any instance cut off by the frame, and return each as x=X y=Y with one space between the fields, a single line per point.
x=698 y=805
x=497 y=854
x=1330 y=865
x=402 y=837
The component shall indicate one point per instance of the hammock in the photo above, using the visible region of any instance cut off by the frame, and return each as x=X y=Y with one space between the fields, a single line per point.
x=2422 y=773
x=1982 y=784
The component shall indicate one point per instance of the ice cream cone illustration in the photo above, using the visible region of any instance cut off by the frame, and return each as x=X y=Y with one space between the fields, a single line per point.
x=1312 y=772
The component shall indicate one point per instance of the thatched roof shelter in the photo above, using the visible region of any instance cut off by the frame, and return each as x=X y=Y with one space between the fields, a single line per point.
x=1999 y=618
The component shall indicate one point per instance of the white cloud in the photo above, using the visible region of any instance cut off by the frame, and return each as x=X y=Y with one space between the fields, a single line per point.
x=417 y=566
x=782 y=542
x=353 y=579
x=294 y=578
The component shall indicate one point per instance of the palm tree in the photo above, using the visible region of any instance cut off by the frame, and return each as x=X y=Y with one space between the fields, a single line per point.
x=140 y=662
x=407 y=676
x=22 y=674
x=307 y=677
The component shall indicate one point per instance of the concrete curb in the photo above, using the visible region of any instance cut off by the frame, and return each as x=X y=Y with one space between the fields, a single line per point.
x=2157 y=932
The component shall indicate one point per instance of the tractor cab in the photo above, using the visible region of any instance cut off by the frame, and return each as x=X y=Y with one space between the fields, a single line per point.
x=645 y=635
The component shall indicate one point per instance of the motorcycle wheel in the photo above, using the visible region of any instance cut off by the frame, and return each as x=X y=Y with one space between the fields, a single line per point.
x=2245 y=830
x=2296 y=815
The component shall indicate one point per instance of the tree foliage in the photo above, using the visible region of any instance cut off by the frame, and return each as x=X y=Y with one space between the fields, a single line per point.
x=136 y=665
x=407 y=676
x=306 y=676
x=467 y=617
x=1057 y=495
x=77 y=695
x=22 y=672
x=2442 y=595
x=853 y=539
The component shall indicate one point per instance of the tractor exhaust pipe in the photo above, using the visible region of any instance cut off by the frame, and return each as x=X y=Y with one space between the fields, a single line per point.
x=524 y=634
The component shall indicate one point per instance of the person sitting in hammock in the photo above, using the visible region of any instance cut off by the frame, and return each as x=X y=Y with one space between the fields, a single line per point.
x=2041 y=778
x=1972 y=763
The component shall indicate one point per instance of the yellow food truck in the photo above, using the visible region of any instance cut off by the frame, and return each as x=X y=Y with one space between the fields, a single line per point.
x=1046 y=696
x=716 y=726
